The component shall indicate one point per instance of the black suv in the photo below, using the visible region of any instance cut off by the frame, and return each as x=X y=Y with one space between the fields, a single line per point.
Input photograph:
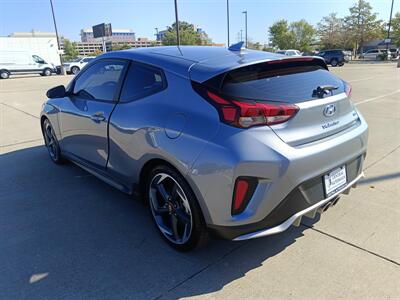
x=333 y=57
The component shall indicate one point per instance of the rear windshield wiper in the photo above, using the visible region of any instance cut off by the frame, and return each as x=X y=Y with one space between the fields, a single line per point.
x=323 y=90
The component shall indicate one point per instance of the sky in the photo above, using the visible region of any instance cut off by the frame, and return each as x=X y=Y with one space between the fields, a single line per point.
x=144 y=15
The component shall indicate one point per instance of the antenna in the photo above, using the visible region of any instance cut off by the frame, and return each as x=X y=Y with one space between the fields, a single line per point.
x=236 y=47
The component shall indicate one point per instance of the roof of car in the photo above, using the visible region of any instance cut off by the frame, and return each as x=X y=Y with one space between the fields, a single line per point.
x=198 y=62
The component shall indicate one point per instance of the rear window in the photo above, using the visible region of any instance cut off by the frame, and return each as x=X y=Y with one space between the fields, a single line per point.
x=283 y=82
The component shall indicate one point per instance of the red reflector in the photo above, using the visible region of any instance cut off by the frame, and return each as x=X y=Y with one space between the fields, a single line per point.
x=348 y=89
x=241 y=189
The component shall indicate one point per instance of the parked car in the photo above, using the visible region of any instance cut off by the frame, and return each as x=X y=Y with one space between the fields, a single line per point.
x=23 y=62
x=289 y=52
x=394 y=53
x=334 y=57
x=74 y=66
x=375 y=54
x=241 y=143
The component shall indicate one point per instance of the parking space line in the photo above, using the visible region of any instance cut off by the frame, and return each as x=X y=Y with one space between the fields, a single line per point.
x=377 y=98
x=362 y=79
x=20 y=110
x=353 y=245
x=20 y=143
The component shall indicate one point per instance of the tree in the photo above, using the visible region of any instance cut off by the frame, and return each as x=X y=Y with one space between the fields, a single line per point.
x=331 y=32
x=97 y=52
x=280 y=36
x=302 y=34
x=298 y=35
x=121 y=47
x=70 y=51
x=187 y=34
x=362 y=24
x=395 y=29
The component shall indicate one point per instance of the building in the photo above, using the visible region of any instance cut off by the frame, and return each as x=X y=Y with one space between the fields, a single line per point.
x=118 y=36
x=43 y=44
x=33 y=33
x=91 y=48
x=161 y=34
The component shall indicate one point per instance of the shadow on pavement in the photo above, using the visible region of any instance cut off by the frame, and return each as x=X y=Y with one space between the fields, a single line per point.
x=379 y=178
x=65 y=234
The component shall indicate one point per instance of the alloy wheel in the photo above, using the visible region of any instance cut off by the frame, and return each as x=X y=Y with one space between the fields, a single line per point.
x=170 y=208
x=50 y=140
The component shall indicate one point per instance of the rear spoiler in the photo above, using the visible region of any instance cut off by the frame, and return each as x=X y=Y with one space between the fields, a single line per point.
x=314 y=59
x=207 y=70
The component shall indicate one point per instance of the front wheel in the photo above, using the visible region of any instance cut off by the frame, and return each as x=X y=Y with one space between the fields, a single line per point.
x=75 y=70
x=334 y=62
x=46 y=72
x=175 y=210
x=51 y=142
x=4 y=74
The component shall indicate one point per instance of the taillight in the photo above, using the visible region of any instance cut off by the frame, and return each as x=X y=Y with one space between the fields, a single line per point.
x=246 y=114
x=348 y=89
x=242 y=193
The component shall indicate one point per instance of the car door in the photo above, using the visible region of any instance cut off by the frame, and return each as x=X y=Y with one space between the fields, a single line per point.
x=85 y=114
x=38 y=63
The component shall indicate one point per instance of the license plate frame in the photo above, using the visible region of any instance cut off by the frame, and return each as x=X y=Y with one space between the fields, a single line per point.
x=335 y=180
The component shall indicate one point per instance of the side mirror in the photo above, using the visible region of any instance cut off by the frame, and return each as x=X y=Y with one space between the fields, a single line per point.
x=56 y=92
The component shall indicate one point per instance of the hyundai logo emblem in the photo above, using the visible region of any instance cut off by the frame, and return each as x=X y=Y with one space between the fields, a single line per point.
x=329 y=110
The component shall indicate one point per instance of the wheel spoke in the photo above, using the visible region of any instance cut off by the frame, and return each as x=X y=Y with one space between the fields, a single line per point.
x=182 y=216
x=174 y=225
x=161 y=189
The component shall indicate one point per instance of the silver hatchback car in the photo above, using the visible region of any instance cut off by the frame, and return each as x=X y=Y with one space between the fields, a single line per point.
x=235 y=142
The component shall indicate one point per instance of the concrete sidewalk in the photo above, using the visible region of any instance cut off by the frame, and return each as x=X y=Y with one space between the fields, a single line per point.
x=65 y=234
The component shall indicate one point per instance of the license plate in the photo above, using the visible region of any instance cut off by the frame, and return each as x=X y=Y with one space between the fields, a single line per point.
x=335 y=180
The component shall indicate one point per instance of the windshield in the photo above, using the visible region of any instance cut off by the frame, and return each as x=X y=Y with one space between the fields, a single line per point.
x=76 y=59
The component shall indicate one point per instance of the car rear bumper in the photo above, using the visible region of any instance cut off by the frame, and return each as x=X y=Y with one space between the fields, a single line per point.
x=283 y=172
x=306 y=199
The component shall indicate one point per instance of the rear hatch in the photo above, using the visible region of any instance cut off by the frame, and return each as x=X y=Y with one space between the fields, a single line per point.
x=322 y=99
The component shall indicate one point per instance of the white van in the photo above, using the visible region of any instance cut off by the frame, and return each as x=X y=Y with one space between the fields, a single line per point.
x=22 y=62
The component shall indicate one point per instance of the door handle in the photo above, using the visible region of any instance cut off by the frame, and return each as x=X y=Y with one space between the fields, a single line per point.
x=98 y=117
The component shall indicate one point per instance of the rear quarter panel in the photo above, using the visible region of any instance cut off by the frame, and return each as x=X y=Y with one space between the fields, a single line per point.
x=174 y=125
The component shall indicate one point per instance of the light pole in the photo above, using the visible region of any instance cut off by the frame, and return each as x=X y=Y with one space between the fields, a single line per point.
x=227 y=19
x=178 y=40
x=245 y=26
x=388 y=32
x=241 y=35
x=58 y=39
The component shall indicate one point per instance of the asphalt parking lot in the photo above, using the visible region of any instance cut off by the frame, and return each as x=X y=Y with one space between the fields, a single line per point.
x=65 y=234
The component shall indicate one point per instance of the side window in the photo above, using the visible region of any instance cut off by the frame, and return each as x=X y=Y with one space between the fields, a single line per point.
x=100 y=81
x=142 y=81
x=38 y=59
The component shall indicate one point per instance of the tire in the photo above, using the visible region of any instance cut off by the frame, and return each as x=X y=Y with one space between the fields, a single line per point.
x=334 y=62
x=4 y=74
x=175 y=210
x=75 y=70
x=46 y=72
x=341 y=64
x=51 y=142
